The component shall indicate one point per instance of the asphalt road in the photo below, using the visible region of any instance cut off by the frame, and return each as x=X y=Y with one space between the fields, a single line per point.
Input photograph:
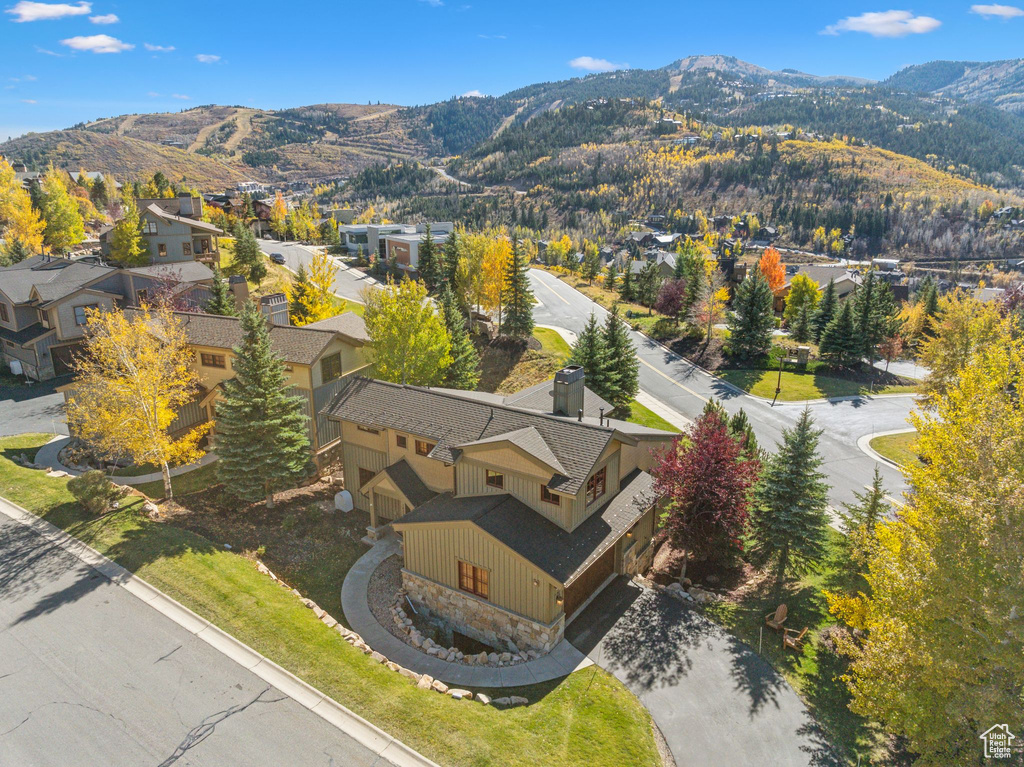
x=685 y=388
x=34 y=408
x=90 y=675
x=349 y=283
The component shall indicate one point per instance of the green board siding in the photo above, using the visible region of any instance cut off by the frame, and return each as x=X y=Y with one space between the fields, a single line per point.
x=356 y=457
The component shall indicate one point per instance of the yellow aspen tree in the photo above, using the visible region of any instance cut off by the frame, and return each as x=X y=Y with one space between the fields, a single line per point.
x=133 y=376
x=19 y=221
x=279 y=216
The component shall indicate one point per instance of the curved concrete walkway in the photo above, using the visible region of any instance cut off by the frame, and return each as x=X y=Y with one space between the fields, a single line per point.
x=561 y=661
x=48 y=456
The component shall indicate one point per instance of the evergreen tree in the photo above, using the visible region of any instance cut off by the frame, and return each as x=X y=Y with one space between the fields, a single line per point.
x=859 y=520
x=591 y=353
x=801 y=330
x=222 y=301
x=248 y=255
x=428 y=262
x=627 y=291
x=14 y=252
x=623 y=365
x=591 y=265
x=825 y=312
x=611 y=278
x=788 y=521
x=518 y=320
x=464 y=372
x=742 y=430
x=262 y=439
x=127 y=245
x=874 y=315
x=751 y=322
x=300 y=298
x=649 y=284
x=691 y=265
x=451 y=252
x=839 y=342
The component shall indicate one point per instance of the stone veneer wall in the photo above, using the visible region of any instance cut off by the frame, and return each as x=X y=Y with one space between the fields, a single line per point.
x=480 y=619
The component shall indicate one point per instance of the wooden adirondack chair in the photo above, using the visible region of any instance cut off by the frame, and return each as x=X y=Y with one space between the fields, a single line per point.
x=777 y=618
x=793 y=640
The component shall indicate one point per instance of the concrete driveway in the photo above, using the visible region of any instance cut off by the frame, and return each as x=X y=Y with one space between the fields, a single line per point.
x=37 y=407
x=714 y=699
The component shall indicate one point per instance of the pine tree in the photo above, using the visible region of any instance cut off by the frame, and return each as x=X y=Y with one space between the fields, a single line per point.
x=262 y=440
x=859 y=520
x=743 y=431
x=623 y=365
x=127 y=245
x=300 y=297
x=825 y=312
x=751 y=322
x=248 y=255
x=428 y=265
x=221 y=301
x=464 y=372
x=611 y=278
x=801 y=330
x=788 y=521
x=451 y=252
x=649 y=284
x=591 y=353
x=14 y=252
x=874 y=315
x=518 y=299
x=839 y=342
x=627 y=291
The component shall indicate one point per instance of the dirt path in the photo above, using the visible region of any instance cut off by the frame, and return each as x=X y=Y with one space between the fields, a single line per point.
x=242 y=131
x=507 y=122
x=375 y=115
x=204 y=133
x=127 y=125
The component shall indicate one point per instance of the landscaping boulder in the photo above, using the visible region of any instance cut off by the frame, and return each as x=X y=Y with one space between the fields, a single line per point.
x=440 y=686
x=411 y=675
x=493 y=657
x=425 y=682
x=461 y=694
x=518 y=701
x=485 y=699
x=329 y=620
x=502 y=701
x=392 y=666
x=482 y=658
x=377 y=657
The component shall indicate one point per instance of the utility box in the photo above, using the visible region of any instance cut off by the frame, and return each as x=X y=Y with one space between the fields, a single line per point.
x=803 y=355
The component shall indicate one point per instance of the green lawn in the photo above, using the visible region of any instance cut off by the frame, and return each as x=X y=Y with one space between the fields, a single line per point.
x=644 y=416
x=588 y=719
x=898 y=448
x=815 y=672
x=552 y=341
x=183 y=484
x=802 y=386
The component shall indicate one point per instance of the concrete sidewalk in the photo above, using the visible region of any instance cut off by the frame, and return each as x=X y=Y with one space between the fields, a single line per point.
x=48 y=457
x=561 y=661
x=363 y=732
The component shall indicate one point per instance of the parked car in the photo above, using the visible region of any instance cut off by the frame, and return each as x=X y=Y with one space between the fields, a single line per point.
x=277 y=258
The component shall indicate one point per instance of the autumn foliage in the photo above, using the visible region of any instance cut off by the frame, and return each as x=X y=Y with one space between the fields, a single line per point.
x=772 y=269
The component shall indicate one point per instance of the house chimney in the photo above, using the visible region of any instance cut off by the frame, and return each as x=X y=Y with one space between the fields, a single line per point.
x=568 y=391
x=601 y=419
x=239 y=289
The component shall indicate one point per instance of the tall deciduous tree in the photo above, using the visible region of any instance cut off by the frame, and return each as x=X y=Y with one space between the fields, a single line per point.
x=410 y=341
x=771 y=267
x=803 y=293
x=222 y=301
x=788 y=520
x=706 y=481
x=623 y=365
x=826 y=310
x=751 y=322
x=64 y=225
x=279 y=216
x=262 y=436
x=591 y=352
x=133 y=376
x=464 y=372
x=127 y=245
x=943 y=654
x=518 y=319
x=671 y=298
x=20 y=225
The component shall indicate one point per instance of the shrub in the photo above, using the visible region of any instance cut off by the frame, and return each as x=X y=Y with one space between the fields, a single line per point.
x=95 y=492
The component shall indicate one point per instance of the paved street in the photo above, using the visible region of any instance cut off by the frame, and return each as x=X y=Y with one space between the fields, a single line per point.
x=684 y=387
x=90 y=675
x=34 y=408
x=348 y=284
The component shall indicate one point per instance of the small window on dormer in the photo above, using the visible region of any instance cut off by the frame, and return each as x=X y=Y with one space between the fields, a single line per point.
x=495 y=479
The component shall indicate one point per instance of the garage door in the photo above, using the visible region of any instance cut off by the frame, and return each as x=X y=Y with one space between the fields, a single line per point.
x=62 y=357
x=579 y=590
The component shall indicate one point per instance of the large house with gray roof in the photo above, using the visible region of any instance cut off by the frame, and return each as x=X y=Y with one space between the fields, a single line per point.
x=514 y=512
x=44 y=300
x=174 y=231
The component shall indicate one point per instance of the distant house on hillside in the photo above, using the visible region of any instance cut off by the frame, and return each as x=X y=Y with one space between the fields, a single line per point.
x=846 y=281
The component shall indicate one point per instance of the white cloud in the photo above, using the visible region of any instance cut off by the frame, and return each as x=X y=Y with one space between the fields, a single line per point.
x=48 y=52
x=29 y=101
x=97 y=44
x=885 y=24
x=106 y=18
x=590 y=64
x=207 y=58
x=158 y=48
x=473 y=94
x=997 y=11
x=180 y=96
x=30 y=78
x=433 y=3
x=492 y=37
x=29 y=11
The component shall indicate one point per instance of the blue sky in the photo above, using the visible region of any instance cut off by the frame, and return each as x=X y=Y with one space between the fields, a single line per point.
x=61 y=63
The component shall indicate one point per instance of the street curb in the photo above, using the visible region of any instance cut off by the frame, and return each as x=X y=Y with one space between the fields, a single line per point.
x=727 y=384
x=363 y=732
x=864 y=443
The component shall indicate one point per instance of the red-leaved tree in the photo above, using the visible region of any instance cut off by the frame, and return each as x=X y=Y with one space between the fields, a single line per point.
x=706 y=480
x=671 y=298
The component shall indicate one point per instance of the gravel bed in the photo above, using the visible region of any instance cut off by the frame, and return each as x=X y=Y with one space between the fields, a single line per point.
x=380 y=593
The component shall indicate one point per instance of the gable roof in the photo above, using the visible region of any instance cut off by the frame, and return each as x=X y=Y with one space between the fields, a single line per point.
x=541 y=397
x=195 y=223
x=408 y=482
x=349 y=324
x=185 y=271
x=453 y=420
x=53 y=278
x=300 y=346
x=559 y=553
x=527 y=439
